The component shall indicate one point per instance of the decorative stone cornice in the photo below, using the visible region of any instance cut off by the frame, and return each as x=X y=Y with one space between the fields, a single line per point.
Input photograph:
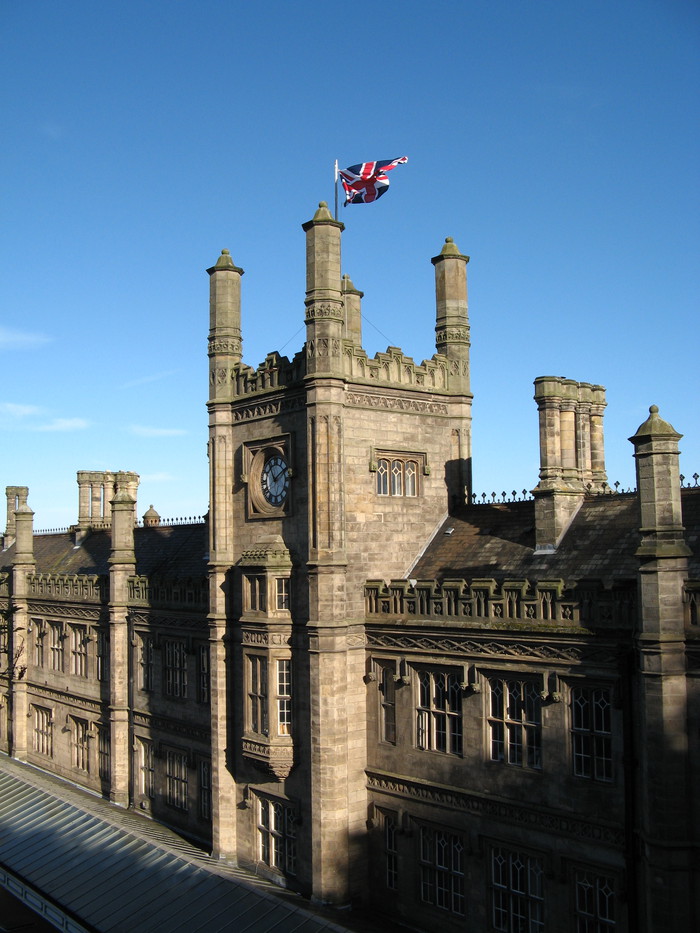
x=491 y=648
x=546 y=821
x=66 y=610
x=266 y=409
x=395 y=403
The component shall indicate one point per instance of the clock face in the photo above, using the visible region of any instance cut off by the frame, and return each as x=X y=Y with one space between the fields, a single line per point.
x=274 y=480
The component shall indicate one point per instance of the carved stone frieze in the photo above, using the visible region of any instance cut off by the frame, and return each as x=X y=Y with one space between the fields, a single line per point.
x=514 y=814
x=172 y=726
x=231 y=345
x=503 y=650
x=317 y=312
x=267 y=409
x=265 y=638
x=91 y=587
x=65 y=698
x=66 y=611
x=454 y=335
x=395 y=403
x=276 y=759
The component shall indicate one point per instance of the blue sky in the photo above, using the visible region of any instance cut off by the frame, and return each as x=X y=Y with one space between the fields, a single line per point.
x=558 y=143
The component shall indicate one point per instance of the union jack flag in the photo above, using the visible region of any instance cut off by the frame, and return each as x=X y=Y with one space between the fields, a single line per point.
x=367 y=181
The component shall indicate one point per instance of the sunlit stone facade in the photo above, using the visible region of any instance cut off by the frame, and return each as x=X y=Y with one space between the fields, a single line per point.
x=353 y=679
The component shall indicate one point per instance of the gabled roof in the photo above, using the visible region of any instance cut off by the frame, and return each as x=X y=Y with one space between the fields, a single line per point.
x=498 y=541
x=170 y=550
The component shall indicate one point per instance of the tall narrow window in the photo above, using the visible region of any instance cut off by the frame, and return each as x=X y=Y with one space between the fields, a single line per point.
x=146 y=663
x=147 y=768
x=39 y=639
x=391 y=851
x=78 y=650
x=277 y=835
x=439 y=712
x=103 y=751
x=255 y=592
x=284 y=696
x=81 y=756
x=176 y=779
x=282 y=592
x=591 y=734
x=515 y=723
x=595 y=903
x=175 y=669
x=203 y=673
x=205 y=788
x=517 y=895
x=257 y=694
x=442 y=869
x=43 y=731
x=102 y=656
x=387 y=694
x=56 y=646
x=383 y=478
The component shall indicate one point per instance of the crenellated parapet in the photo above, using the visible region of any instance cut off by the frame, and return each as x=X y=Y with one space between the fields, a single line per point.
x=169 y=593
x=275 y=372
x=510 y=601
x=69 y=586
x=394 y=368
x=390 y=368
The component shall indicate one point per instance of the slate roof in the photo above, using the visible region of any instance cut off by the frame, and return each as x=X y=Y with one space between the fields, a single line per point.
x=498 y=541
x=171 y=550
x=114 y=871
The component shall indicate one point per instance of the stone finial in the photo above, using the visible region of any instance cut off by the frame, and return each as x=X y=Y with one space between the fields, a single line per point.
x=323 y=213
x=223 y=263
x=449 y=249
x=655 y=426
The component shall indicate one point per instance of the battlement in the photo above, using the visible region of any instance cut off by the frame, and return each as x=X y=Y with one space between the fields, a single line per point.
x=390 y=368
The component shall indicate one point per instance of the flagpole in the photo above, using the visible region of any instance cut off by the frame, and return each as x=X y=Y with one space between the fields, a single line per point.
x=336 y=189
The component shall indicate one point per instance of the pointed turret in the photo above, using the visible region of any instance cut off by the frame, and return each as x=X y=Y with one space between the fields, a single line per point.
x=353 y=311
x=225 y=340
x=325 y=310
x=452 y=315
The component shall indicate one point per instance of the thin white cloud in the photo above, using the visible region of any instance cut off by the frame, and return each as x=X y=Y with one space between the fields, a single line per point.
x=143 y=431
x=154 y=377
x=18 y=411
x=19 y=339
x=157 y=478
x=64 y=424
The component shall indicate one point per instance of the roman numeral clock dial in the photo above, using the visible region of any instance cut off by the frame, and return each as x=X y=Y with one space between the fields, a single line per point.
x=274 y=480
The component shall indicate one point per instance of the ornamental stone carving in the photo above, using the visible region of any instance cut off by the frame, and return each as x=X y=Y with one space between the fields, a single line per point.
x=510 y=813
x=275 y=759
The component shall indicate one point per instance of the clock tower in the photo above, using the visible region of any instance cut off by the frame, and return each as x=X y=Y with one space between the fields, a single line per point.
x=325 y=470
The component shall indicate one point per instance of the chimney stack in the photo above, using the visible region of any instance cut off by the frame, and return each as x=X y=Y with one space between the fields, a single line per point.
x=572 y=457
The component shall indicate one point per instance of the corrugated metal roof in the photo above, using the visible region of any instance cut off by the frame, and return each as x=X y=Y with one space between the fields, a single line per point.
x=115 y=880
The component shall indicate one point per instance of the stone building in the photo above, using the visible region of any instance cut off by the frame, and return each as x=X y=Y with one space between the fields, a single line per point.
x=355 y=678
